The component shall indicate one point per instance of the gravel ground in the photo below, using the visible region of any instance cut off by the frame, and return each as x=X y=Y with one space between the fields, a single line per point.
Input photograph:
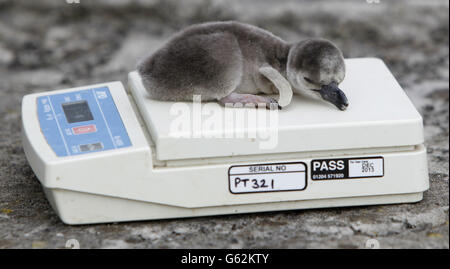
x=46 y=45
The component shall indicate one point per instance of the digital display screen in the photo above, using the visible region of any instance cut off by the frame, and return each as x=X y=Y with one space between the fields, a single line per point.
x=77 y=111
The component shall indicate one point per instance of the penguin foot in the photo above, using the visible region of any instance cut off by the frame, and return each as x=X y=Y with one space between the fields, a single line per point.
x=249 y=100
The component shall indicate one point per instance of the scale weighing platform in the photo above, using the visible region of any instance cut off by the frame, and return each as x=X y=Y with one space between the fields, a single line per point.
x=104 y=154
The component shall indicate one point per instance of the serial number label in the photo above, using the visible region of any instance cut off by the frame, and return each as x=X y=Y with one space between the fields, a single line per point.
x=267 y=177
x=347 y=168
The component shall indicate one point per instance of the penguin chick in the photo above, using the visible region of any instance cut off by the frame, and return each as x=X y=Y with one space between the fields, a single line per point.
x=232 y=62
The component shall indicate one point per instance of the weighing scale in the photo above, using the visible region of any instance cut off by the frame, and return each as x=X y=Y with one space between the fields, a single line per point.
x=105 y=154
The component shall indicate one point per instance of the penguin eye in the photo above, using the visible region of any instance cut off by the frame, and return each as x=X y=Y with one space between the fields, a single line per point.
x=308 y=80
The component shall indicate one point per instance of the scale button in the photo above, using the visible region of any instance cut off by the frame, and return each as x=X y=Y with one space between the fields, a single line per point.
x=84 y=129
x=91 y=147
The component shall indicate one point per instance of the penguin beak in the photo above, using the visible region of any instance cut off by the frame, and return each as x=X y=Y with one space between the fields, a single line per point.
x=334 y=95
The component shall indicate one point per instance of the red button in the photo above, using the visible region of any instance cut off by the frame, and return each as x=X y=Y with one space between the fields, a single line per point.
x=84 y=129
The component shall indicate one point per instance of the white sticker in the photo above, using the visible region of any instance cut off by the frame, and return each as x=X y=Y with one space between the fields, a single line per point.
x=267 y=177
x=371 y=167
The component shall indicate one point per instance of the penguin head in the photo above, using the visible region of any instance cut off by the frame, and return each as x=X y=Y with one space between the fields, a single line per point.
x=316 y=67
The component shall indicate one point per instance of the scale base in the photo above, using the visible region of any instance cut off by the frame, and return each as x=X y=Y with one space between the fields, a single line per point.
x=76 y=208
x=136 y=167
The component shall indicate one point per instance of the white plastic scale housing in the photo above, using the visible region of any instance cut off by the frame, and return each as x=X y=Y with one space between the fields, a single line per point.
x=160 y=176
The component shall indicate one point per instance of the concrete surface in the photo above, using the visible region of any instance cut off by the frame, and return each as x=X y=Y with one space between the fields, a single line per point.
x=46 y=45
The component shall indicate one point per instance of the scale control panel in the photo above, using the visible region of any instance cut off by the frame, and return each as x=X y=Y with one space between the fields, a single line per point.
x=81 y=122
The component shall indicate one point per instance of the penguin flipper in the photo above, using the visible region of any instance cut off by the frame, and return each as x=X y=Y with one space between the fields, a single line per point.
x=283 y=86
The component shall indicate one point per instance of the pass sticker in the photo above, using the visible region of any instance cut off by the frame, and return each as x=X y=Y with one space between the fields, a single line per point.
x=267 y=177
x=347 y=168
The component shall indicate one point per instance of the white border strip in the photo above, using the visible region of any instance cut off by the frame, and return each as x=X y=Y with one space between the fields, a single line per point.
x=59 y=127
x=104 y=119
